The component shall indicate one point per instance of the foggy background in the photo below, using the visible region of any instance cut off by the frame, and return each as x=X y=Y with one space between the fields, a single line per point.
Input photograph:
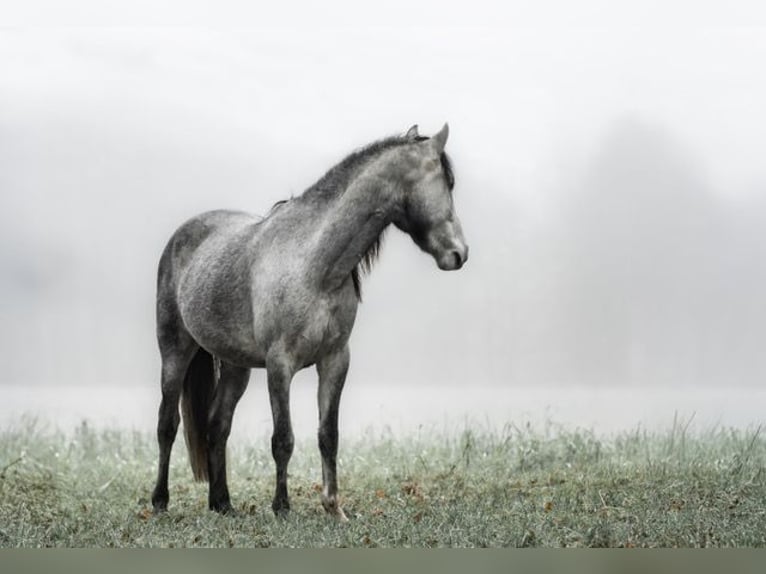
x=610 y=182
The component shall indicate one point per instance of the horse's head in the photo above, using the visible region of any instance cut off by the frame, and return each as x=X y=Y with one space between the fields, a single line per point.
x=428 y=211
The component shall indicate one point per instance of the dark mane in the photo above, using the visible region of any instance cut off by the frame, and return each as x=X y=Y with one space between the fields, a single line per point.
x=365 y=265
x=337 y=179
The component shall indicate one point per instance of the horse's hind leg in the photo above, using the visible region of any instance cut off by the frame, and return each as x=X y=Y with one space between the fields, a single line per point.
x=332 y=376
x=280 y=373
x=232 y=385
x=175 y=361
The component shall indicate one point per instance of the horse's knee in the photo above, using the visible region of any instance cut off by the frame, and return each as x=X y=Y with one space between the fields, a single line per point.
x=282 y=445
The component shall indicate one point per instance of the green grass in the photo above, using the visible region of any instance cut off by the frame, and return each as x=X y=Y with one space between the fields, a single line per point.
x=477 y=488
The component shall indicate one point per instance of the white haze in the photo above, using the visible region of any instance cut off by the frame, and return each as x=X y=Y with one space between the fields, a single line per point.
x=610 y=181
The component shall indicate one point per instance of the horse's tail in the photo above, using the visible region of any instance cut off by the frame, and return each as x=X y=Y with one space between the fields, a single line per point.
x=197 y=396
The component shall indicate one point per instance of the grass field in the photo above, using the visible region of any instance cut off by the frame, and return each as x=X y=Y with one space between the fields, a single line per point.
x=475 y=488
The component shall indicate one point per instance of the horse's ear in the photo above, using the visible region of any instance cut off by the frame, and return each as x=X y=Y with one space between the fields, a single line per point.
x=439 y=140
x=412 y=133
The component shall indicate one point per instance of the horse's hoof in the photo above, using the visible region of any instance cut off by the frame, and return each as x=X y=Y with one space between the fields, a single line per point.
x=223 y=508
x=281 y=508
x=160 y=500
x=159 y=506
x=331 y=506
x=340 y=516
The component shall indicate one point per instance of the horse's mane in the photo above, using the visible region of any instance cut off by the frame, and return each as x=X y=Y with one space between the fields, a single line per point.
x=338 y=177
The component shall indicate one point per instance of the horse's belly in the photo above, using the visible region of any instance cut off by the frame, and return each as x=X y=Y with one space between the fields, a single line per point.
x=229 y=340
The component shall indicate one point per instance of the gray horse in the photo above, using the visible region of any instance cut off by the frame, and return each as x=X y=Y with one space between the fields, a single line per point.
x=235 y=292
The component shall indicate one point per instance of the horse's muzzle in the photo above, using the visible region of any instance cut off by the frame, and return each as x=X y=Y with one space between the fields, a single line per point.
x=453 y=259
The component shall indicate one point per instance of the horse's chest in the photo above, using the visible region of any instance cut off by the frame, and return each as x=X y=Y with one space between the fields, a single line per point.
x=305 y=325
x=322 y=328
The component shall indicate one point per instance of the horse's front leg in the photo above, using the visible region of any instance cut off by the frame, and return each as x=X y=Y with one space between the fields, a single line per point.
x=332 y=371
x=279 y=373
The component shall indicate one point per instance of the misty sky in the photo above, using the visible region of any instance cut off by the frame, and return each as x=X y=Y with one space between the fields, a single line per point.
x=610 y=181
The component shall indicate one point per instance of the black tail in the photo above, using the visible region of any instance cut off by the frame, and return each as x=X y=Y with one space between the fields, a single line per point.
x=197 y=396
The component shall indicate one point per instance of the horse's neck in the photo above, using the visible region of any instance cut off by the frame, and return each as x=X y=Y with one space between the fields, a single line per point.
x=351 y=224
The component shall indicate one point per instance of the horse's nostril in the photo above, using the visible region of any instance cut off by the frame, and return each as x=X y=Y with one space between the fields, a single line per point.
x=458 y=259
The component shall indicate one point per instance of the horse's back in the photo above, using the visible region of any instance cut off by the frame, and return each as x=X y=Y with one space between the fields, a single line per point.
x=193 y=232
x=184 y=245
